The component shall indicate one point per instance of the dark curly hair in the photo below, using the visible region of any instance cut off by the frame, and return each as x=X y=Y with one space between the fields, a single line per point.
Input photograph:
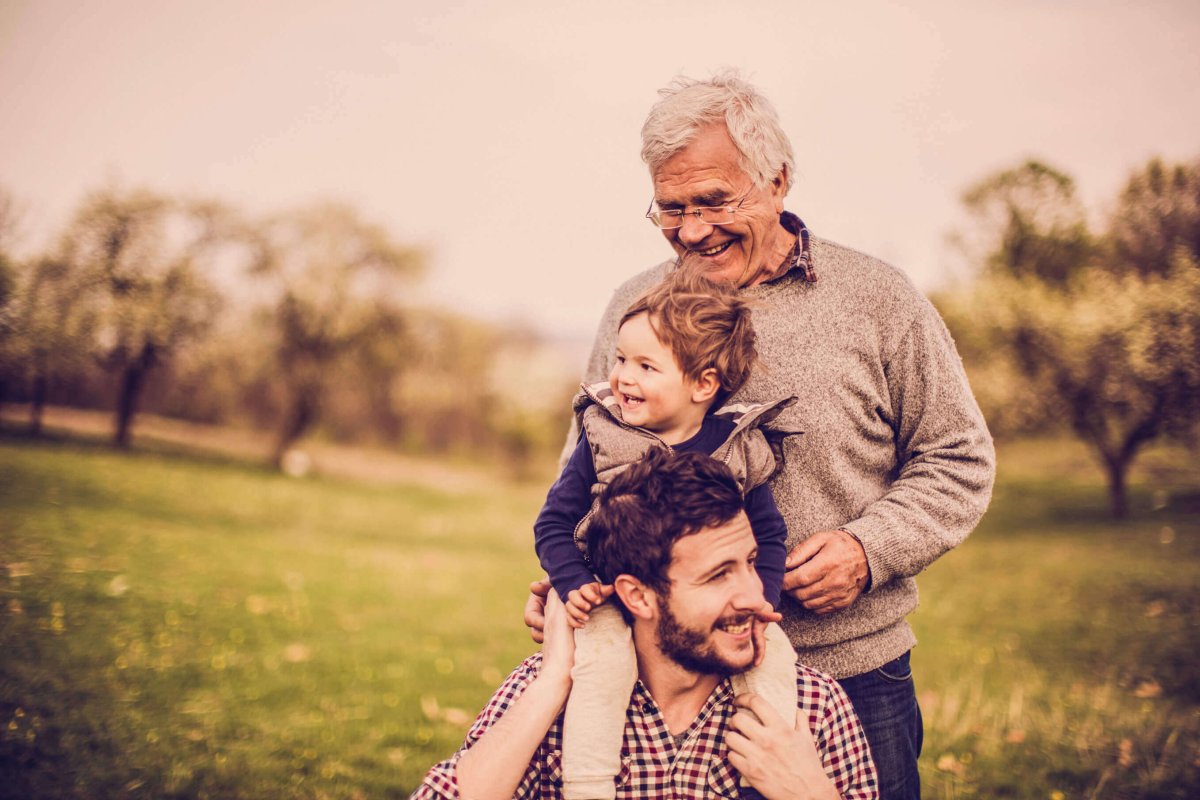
x=650 y=505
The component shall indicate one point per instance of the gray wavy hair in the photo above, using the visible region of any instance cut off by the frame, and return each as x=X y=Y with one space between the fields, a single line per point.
x=687 y=105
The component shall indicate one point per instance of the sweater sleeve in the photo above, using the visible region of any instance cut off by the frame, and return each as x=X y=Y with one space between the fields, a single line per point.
x=567 y=503
x=770 y=531
x=947 y=460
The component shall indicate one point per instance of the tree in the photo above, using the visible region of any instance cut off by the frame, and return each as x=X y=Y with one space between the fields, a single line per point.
x=52 y=322
x=1157 y=213
x=1028 y=223
x=334 y=285
x=1114 y=342
x=8 y=287
x=138 y=257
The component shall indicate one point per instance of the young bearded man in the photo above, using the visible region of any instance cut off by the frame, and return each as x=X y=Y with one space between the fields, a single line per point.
x=671 y=536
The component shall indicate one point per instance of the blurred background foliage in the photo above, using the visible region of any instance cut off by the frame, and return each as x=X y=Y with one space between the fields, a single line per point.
x=1091 y=328
x=301 y=324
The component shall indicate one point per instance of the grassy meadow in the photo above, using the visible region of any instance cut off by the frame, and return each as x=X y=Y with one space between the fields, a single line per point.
x=178 y=627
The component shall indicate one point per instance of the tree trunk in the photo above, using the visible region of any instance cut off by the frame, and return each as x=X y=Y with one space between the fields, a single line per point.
x=133 y=378
x=1117 y=469
x=299 y=418
x=37 y=403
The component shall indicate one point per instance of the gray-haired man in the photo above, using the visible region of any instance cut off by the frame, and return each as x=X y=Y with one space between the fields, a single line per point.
x=894 y=465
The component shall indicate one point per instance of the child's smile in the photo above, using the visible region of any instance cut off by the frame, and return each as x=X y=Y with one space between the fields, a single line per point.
x=652 y=390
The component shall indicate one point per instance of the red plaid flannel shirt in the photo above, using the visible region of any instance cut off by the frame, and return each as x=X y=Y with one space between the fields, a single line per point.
x=653 y=766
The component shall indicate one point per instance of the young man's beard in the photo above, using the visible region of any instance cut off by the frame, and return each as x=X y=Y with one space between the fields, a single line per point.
x=690 y=648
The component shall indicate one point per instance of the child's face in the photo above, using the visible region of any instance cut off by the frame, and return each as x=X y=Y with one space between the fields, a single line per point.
x=652 y=390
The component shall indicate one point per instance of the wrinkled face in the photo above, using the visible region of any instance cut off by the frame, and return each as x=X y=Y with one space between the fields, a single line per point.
x=704 y=624
x=650 y=387
x=707 y=173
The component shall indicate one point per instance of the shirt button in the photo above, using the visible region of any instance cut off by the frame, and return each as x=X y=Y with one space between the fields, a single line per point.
x=647 y=707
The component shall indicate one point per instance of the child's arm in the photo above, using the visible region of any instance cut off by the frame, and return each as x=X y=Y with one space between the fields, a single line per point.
x=770 y=531
x=567 y=502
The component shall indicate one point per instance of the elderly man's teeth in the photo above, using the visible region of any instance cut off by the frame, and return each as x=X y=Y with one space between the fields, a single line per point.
x=712 y=251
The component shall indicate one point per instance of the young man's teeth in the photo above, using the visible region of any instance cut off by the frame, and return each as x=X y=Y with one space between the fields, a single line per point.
x=736 y=629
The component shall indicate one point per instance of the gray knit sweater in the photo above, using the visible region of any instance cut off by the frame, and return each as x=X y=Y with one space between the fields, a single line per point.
x=894 y=448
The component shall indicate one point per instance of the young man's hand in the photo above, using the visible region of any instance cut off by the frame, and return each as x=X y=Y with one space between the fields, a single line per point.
x=582 y=600
x=535 y=609
x=558 y=649
x=778 y=760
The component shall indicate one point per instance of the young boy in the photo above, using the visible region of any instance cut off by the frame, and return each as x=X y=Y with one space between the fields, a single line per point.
x=682 y=349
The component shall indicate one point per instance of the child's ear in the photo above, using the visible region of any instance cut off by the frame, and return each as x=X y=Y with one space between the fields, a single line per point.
x=706 y=386
x=637 y=596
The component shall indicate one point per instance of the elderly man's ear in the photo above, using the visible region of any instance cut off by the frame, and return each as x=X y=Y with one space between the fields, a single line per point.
x=639 y=598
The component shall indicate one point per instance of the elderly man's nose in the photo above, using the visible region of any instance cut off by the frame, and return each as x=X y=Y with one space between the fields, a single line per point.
x=693 y=229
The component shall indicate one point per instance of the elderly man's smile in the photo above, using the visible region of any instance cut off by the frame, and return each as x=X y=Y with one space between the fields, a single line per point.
x=712 y=251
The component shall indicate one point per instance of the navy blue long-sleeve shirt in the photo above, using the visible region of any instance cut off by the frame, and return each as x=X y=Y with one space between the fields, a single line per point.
x=570 y=498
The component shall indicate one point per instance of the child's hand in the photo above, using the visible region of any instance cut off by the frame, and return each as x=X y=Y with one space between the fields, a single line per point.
x=582 y=600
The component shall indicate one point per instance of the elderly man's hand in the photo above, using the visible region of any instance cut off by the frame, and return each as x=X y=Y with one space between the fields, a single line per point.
x=535 y=609
x=826 y=572
x=778 y=760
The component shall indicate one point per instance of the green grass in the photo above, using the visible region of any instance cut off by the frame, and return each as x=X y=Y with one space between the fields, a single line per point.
x=1057 y=651
x=174 y=627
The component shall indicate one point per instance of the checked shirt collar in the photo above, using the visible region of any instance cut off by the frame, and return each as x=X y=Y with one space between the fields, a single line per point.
x=800 y=258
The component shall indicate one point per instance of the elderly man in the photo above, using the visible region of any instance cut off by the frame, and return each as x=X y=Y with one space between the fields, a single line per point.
x=892 y=464
x=672 y=537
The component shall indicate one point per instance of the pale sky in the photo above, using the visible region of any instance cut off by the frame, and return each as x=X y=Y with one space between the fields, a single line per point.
x=504 y=136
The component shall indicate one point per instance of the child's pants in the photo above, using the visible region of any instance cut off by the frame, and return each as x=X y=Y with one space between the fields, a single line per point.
x=602 y=681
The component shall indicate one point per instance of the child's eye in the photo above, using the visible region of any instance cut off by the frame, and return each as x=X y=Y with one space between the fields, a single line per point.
x=620 y=359
x=648 y=368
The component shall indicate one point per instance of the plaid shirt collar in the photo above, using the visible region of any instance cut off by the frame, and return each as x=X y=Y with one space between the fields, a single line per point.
x=800 y=258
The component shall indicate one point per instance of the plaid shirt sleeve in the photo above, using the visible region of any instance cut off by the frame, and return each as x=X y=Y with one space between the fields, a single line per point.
x=441 y=782
x=839 y=736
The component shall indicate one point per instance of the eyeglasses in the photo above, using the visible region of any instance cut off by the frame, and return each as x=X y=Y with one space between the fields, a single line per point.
x=709 y=215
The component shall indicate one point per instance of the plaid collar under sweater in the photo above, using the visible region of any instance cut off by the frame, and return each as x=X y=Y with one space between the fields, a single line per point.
x=800 y=258
x=653 y=765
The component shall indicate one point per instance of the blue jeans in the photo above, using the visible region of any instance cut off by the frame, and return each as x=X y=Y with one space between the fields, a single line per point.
x=887 y=705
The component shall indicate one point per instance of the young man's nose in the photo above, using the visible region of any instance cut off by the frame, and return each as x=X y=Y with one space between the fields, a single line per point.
x=749 y=593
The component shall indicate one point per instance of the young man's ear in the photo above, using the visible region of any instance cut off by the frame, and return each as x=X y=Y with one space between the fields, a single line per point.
x=704 y=387
x=637 y=596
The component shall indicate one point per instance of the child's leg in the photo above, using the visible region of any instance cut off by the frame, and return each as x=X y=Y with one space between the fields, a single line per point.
x=594 y=724
x=774 y=680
